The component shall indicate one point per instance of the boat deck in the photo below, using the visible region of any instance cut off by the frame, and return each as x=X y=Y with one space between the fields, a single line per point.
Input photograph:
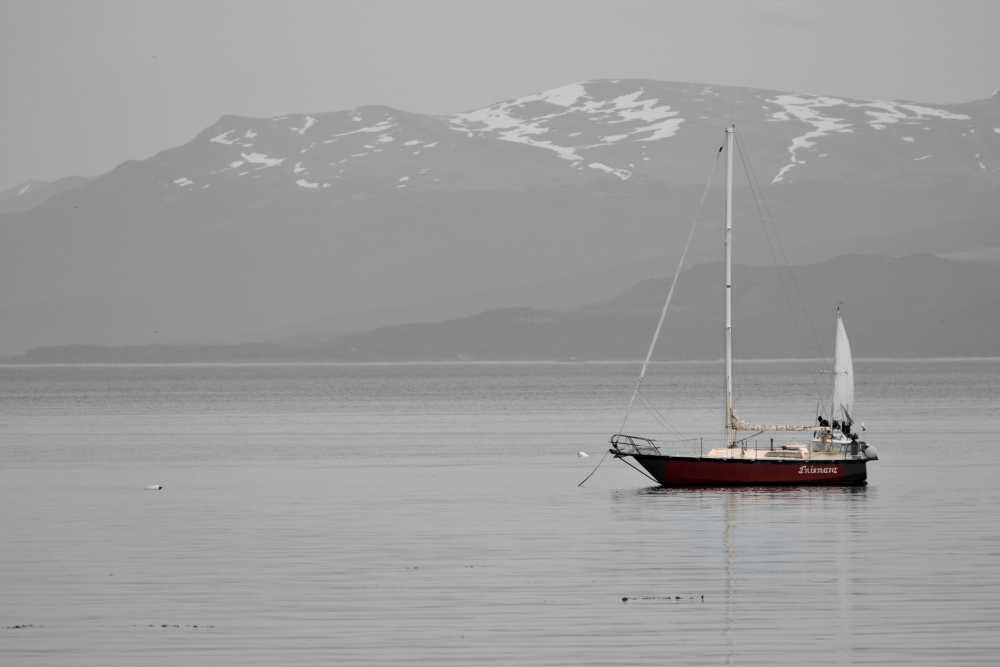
x=817 y=450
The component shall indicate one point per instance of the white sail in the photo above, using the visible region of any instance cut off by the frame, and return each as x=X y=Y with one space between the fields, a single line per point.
x=843 y=375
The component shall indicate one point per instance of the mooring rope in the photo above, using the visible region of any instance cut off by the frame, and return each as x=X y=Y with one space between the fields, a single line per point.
x=595 y=467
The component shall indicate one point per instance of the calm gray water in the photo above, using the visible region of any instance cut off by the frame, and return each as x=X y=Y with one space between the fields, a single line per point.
x=429 y=514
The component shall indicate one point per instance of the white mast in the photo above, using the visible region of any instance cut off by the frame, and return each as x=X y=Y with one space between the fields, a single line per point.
x=729 y=286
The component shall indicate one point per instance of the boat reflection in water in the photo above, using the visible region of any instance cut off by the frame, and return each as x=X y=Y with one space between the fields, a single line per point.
x=771 y=527
x=766 y=553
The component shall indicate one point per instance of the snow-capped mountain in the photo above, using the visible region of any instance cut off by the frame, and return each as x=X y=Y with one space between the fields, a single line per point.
x=586 y=131
x=259 y=224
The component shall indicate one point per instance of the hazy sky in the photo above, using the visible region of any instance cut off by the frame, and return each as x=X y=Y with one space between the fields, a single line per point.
x=87 y=85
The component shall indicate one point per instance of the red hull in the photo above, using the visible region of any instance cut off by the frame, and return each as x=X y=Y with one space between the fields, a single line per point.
x=687 y=471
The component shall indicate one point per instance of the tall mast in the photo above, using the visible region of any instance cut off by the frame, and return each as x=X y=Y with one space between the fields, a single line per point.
x=729 y=286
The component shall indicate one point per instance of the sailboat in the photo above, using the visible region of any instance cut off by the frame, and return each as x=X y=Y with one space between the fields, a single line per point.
x=833 y=453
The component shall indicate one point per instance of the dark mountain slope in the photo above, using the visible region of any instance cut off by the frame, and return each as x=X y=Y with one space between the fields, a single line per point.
x=30 y=194
x=917 y=306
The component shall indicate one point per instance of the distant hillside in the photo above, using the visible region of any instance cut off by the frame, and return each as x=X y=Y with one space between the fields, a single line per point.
x=910 y=307
x=159 y=354
x=917 y=306
x=31 y=193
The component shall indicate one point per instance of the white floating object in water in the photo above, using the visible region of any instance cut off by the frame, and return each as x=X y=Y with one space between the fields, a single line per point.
x=155 y=487
x=582 y=455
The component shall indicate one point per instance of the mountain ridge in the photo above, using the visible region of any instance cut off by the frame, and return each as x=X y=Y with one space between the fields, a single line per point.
x=395 y=209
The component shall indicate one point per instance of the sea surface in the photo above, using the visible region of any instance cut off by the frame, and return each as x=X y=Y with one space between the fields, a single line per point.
x=429 y=514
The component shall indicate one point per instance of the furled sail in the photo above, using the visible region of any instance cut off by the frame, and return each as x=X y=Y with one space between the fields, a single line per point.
x=738 y=424
x=843 y=375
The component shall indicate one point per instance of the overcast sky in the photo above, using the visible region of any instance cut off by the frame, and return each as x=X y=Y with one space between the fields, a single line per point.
x=87 y=85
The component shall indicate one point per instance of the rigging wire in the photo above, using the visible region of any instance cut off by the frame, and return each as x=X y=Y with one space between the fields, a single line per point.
x=661 y=419
x=770 y=246
x=737 y=375
x=781 y=247
x=670 y=294
x=644 y=401
x=748 y=169
x=643 y=472
x=708 y=293
x=735 y=378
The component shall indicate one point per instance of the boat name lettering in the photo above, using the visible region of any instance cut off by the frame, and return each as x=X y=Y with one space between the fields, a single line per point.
x=810 y=470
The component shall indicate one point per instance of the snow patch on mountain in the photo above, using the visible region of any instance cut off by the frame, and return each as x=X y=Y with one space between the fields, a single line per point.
x=309 y=122
x=261 y=158
x=184 y=181
x=23 y=190
x=306 y=184
x=221 y=139
x=620 y=173
x=563 y=96
x=805 y=108
x=497 y=120
x=892 y=112
x=523 y=120
x=378 y=127
x=629 y=108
